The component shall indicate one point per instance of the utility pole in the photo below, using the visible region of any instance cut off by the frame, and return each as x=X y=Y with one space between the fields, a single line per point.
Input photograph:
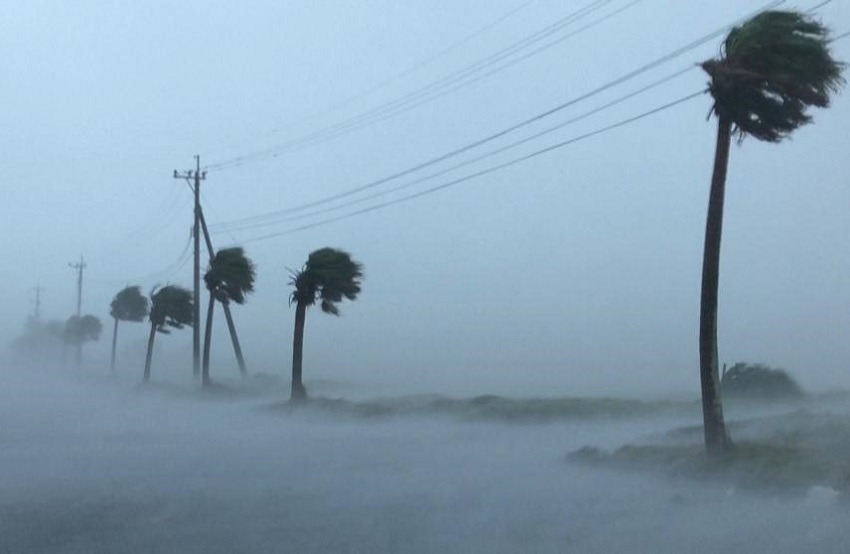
x=197 y=177
x=36 y=316
x=79 y=267
x=231 y=327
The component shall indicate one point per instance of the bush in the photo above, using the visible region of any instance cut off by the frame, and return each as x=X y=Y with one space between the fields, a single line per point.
x=759 y=381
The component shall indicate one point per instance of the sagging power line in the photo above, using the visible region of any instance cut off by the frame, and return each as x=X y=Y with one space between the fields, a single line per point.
x=486 y=155
x=483 y=172
x=503 y=132
x=383 y=84
x=407 y=101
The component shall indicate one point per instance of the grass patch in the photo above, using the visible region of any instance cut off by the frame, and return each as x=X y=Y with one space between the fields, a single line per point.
x=792 y=452
x=493 y=408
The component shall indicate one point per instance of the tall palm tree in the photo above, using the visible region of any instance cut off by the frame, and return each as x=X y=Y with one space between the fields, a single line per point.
x=230 y=277
x=171 y=307
x=128 y=305
x=770 y=71
x=329 y=276
x=79 y=330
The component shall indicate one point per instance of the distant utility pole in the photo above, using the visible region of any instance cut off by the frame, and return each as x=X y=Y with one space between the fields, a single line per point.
x=197 y=177
x=37 y=313
x=79 y=267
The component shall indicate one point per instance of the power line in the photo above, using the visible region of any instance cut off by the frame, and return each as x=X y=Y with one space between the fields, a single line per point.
x=169 y=270
x=463 y=80
x=483 y=172
x=177 y=267
x=159 y=217
x=818 y=6
x=180 y=260
x=610 y=84
x=383 y=84
x=471 y=161
x=223 y=225
x=841 y=36
x=339 y=128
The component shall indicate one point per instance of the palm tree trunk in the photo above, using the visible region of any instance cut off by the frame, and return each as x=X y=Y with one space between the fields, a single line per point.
x=234 y=338
x=114 y=342
x=205 y=374
x=149 y=356
x=716 y=437
x=78 y=354
x=298 y=391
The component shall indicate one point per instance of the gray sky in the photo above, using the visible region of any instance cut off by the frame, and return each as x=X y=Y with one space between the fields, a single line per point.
x=576 y=272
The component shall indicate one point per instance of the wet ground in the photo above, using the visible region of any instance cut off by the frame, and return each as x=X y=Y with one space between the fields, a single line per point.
x=93 y=465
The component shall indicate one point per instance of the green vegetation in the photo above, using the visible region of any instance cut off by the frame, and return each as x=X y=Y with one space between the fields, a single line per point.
x=128 y=305
x=229 y=278
x=40 y=342
x=772 y=69
x=172 y=307
x=329 y=276
x=499 y=409
x=79 y=330
x=785 y=453
x=757 y=381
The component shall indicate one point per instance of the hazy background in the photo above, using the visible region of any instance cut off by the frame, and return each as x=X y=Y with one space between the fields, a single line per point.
x=575 y=273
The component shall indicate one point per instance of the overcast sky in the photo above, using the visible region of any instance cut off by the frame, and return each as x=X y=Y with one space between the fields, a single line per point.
x=575 y=272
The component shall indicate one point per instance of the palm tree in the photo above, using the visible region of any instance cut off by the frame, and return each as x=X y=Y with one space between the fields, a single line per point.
x=230 y=277
x=329 y=275
x=770 y=71
x=171 y=307
x=79 y=330
x=128 y=305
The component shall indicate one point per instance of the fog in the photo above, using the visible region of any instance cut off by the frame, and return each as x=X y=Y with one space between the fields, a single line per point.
x=93 y=464
x=507 y=319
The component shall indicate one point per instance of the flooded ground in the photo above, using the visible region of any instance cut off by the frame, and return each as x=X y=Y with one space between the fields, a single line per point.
x=89 y=464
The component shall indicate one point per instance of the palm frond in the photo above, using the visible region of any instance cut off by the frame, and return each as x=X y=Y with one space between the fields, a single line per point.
x=171 y=306
x=329 y=307
x=129 y=305
x=771 y=70
x=330 y=275
x=231 y=275
x=82 y=329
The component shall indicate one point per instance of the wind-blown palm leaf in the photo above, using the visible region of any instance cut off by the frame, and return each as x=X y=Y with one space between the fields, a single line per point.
x=171 y=307
x=82 y=329
x=129 y=305
x=231 y=275
x=771 y=70
x=328 y=276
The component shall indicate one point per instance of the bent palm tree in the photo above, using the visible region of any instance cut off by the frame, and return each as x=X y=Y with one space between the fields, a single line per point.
x=128 y=305
x=79 y=330
x=171 y=307
x=771 y=70
x=230 y=277
x=329 y=275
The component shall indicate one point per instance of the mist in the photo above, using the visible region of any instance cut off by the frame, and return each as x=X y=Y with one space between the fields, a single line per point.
x=514 y=193
x=92 y=464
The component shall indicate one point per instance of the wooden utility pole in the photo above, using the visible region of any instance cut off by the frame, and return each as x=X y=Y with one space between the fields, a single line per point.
x=36 y=316
x=196 y=177
x=79 y=267
x=231 y=327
